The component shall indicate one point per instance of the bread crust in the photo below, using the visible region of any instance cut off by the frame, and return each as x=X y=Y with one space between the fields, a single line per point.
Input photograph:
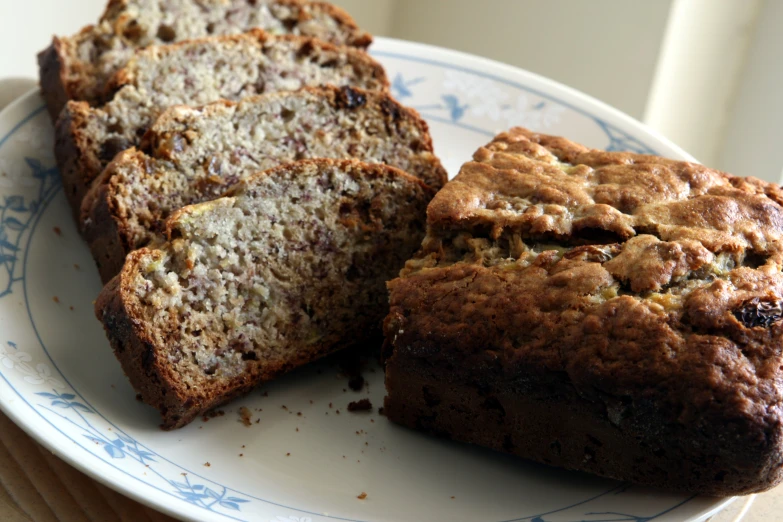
x=70 y=140
x=608 y=312
x=144 y=353
x=84 y=144
x=105 y=222
x=62 y=73
x=53 y=74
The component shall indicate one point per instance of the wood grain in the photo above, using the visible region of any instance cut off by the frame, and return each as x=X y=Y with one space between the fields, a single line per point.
x=39 y=487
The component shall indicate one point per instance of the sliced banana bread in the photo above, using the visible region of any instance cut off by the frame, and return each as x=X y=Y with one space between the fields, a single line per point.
x=607 y=312
x=193 y=155
x=78 y=67
x=288 y=267
x=195 y=73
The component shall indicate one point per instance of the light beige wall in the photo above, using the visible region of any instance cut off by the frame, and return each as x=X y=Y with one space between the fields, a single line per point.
x=606 y=48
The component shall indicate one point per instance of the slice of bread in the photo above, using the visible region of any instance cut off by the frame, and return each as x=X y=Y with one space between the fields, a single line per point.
x=78 y=67
x=196 y=72
x=194 y=155
x=291 y=265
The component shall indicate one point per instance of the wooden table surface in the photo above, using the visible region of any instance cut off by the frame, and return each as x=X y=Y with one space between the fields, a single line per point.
x=39 y=487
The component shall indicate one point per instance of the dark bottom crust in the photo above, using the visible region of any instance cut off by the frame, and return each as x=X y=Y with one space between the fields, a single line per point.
x=100 y=229
x=546 y=422
x=152 y=377
x=50 y=71
x=66 y=151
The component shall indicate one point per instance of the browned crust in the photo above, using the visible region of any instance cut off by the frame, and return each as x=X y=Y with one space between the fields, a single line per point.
x=144 y=360
x=561 y=428
x=52 y=74
x=75 y=151
x=361 y=39
x=633 y=355
x=57 y=63
x=76 y=168
x=145 y=364
x=101 y=226
x=104 y=225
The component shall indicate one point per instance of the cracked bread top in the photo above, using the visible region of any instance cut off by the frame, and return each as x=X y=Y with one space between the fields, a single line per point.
x=650 y=284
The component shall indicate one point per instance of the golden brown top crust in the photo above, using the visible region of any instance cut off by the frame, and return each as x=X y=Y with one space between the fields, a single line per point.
x=637 y=277
x=550 y=187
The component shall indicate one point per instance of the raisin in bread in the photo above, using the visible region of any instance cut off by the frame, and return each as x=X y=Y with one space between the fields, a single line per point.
x=78 y=67
x=195 y=73
x=288 y=267
x=601 y=311
x=193 y=155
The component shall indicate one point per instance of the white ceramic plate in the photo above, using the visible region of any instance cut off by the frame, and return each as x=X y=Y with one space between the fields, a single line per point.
x=302 y=461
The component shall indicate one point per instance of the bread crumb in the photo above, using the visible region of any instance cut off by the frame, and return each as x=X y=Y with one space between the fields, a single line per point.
x=452 y=498
x=297 y=429
x=356 y=383
x=299 y=414
x=241 y=454
x=244 y=417
x=284 y=407
x=207 y=464
x=362 y=495
x=56 y=299
x=362 y=405
x=330 y=404
x=311 y=401
x=337 y=412
x=58 y=231
x=288 y=454
x=71 y=308
x=243 y=445
x=76 y=266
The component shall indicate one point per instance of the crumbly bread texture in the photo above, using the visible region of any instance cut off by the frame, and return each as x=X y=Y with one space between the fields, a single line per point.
x=193 y=155
x=607 y=312
x=79 y=67
x=195 y=73
x=290 y=266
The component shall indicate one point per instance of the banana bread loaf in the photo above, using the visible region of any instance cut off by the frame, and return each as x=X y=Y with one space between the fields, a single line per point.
x=290 y=266
x=195 y=73
x=193 y=155
x=78 y=67
x=606 y=312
